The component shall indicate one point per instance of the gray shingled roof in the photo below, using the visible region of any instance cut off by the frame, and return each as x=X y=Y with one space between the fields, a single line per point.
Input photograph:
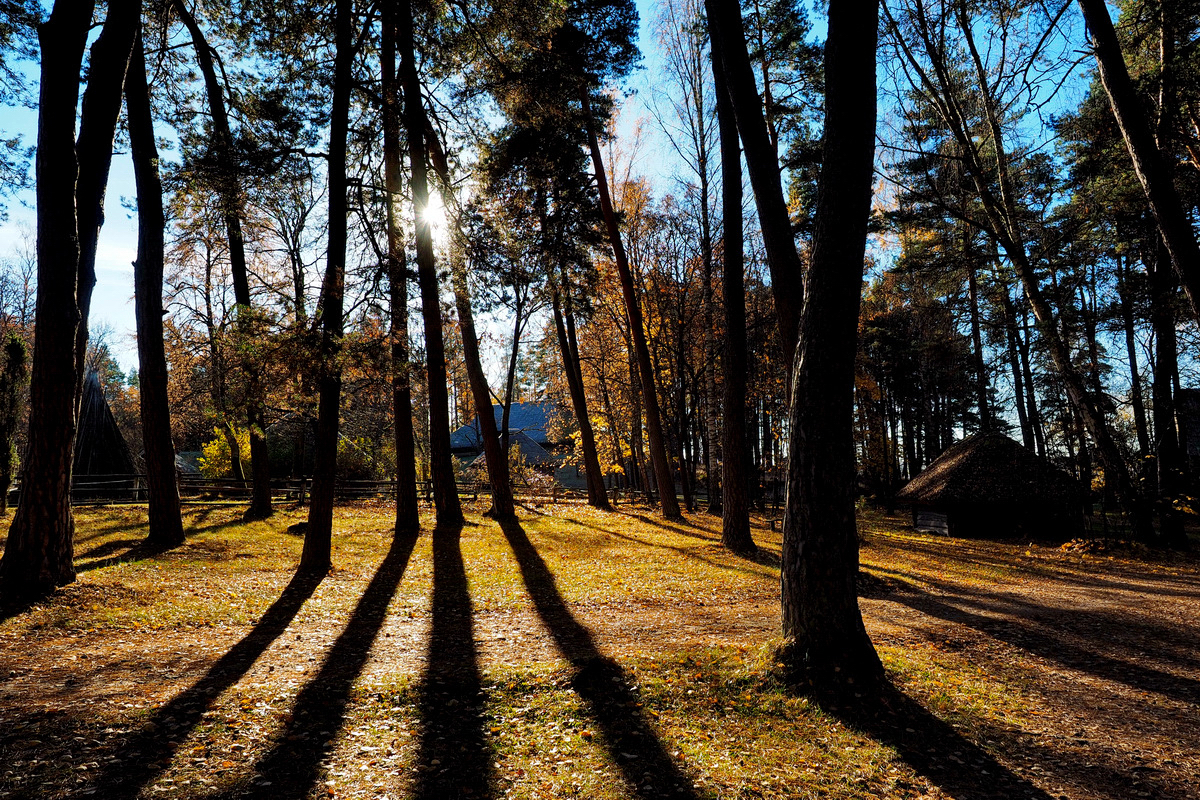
x=989 y=469
x=530 y=419
x=535 y=455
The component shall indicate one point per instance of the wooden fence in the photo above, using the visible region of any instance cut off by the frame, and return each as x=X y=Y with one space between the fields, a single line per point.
x=118 y=489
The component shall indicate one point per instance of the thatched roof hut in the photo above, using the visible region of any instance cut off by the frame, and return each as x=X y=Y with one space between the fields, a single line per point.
x=100 y=449
x=988 y=485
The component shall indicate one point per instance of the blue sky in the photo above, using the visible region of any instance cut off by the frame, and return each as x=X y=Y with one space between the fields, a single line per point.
x=112 y=305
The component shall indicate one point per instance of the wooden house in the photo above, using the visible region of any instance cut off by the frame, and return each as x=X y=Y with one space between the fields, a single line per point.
x=989 y=486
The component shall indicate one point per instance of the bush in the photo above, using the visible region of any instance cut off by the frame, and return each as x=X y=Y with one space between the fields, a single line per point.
x=215 y=459
x=355 y=461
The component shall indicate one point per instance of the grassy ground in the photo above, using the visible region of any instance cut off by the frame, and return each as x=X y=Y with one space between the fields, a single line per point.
x=586 y=655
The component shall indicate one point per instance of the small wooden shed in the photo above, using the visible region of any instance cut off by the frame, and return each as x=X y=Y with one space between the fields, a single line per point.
x=989 y=486
x=100 y=449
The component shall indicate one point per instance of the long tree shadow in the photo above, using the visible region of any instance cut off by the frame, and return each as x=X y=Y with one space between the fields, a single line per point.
x=1004 y=556
x=294 y=764
x=601 y=682
x=1092 y=661
x=453 y=760
x=111 y=553
x=1122 y=629
x=763 y=557
x=933 y=749
x=149 y=752
x=1097 y=773
x=139 y=551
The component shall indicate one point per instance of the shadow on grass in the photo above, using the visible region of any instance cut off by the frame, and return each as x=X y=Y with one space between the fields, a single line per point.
x=1093 y=772
x=933 y=749
x=1137 y=573
x=647 y=767
x=1020 y=628
x=760 y=556
x=149 y=751
x=109 y=548
x=763 y=558
x=294 y=764
x=454 y=758
x=139 y=551
x=683 y=527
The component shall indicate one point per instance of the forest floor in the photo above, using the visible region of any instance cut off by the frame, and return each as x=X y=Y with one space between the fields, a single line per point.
x=589 y=655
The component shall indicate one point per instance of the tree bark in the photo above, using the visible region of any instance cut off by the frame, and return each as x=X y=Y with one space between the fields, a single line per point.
x=591 y=461
x=762 y=162
x=166 y=523
x=1149 y=164
x=735 y=490
x=593 y=474
x=1168 y=454
x=1035 y=412
x=108 y=63
x=981 y=381
x=493 y=452
x=1135 y=378
x=39 y=549
x=445 y=493
x=510 y=376
x=407 y=514
x=822 y=624
x=12 y=380
x=633 y=309
x=318 y=536
x=644 y=476
x=1014 y=360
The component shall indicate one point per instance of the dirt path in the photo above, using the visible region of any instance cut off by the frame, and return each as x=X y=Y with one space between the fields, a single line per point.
x=1104 y=653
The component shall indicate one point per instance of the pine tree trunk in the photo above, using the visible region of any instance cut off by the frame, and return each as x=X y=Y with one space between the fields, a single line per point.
x=1031 y=399
x=493 y=452
x=510 y=376
x=1135 y=378
x=407 y=515
x=587 y=438
x=680 y=429
x=1168 y=453
x=39 y=549
x=12 y=380
x=441 y=466
x=633 y=309
x=229 y=191
x=318 y=536
x=1151 y=167
x=762 y=162
x=107 y=65
x=735 y=489
x=826 y=639
x=593 y=474
x=166 y=524
x=1014 y=361
x=981 y=381
x=711 y=416
x=645 y=478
